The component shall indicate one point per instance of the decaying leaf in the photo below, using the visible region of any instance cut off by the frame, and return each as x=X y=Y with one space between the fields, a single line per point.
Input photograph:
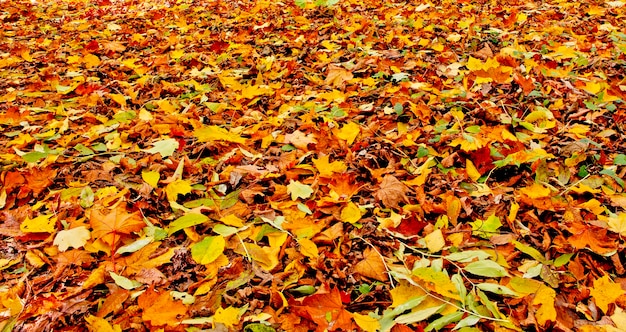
x=392 y=192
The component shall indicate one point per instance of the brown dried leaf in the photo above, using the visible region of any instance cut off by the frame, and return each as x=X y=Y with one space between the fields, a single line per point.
x=392 y=192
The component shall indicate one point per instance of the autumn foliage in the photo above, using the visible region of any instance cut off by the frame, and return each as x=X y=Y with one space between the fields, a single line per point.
x=312 y=165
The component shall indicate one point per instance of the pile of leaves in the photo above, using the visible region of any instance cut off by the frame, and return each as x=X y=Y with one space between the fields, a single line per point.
x=312 y=165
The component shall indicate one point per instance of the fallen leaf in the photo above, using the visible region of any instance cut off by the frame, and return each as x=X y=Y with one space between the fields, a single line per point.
x=72 y=238
x=392 y=192
x=372 y=266
x=299 y=190
x=605 y=292
x=45 y=223
x=110 y=225
x=544 y=301
x=326 y=310
x=160 y=309
x=228 y=316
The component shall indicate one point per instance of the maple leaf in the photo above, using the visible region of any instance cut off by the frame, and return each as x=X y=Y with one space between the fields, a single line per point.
x=160 y=309
x=40 y=179
x=337 y=76
x=75 y=238
x=392 y=192
x=324 y=309
x=593 y=237
x=110 y=225
x=605 y=292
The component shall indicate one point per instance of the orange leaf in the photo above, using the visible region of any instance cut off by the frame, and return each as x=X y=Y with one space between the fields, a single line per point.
x=326 y=310
x=111 y=225
x=160 y=309
x=40 y=179
x=371 y=266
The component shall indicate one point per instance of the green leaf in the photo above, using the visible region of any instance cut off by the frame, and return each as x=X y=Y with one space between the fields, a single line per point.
x=387 y=321
x=185 y=221
x=258 y=327
x=164 y=147
x=492 y=307
x=224 y=230
x=124 y=282
x=612 y=174
x=33 y=157
x=486 y=268
x=486 y=228
x=304 y=290
x=83 y=150
x=230 y=200
x=562 y=260
x=135 y=246
x=418 y=316
x=440 y=322
x=467 y=321
x=208 y=250
x=497 y=289
x=620 y=159
x=467 y=256
x=530 y=251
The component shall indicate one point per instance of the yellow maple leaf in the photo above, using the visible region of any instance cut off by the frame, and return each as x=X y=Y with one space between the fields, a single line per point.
x=349 y=132
x=617 y=223
x=435 y=241
x=327 y=168
x=177 y=54
x=544 y=298
x=215 y=133
x=75 y=238
x=118 y=98
x=436 y=281
x=177 y=187
x=605 y=292
x=228 y=316
x=474 y=64
x=98 y=324
x=45 y=223
x=91 y=61
x=366 y=323
x=299 y=190
x=536 y=191
x=252 y=91
x=468 y=142
x=351 y=213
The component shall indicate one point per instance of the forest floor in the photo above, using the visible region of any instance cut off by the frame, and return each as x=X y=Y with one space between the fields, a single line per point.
x=312 y=166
